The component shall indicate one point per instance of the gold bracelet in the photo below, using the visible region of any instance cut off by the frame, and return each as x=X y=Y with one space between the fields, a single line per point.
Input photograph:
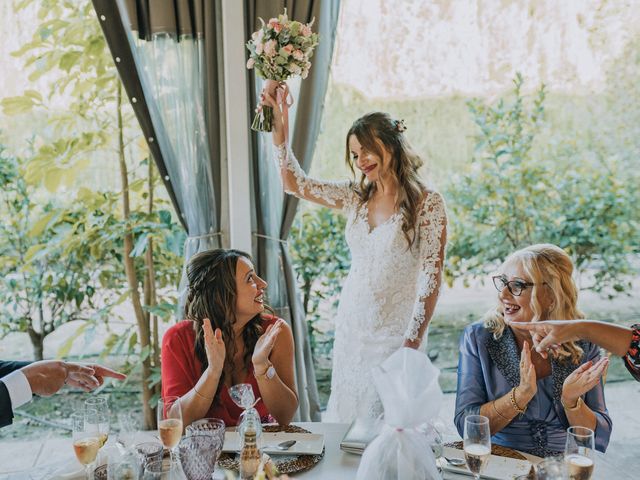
x=201 y=395
x=515 y=404
x=496 y=409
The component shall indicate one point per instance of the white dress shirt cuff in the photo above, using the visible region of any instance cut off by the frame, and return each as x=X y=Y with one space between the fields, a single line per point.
x=18 y=387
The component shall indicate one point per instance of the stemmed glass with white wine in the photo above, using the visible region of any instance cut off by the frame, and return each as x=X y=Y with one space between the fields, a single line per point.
x=477 y=443
x=86 y=438
x=102 y=418
x=578 y=453
x=170 y=423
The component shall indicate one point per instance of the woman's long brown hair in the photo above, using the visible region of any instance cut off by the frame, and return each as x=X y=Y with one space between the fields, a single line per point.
x=211 y=277
x=376 y=133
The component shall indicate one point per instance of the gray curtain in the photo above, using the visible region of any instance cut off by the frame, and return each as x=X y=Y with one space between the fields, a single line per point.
x=274 y=210
x=168 y=56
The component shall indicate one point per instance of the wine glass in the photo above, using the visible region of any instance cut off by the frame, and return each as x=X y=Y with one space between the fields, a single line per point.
x=477 y=443
x=102 y=418
x=170 y=423
x=551 y=468
x=199 y=453
x=242 y=395
x=578 y=453
x=86 y=441
x=159 y=470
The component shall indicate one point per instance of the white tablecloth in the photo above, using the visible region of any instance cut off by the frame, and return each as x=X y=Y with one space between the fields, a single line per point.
x=53 y=458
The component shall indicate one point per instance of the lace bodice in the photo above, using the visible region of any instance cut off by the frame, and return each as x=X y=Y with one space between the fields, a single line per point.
x=399 y=280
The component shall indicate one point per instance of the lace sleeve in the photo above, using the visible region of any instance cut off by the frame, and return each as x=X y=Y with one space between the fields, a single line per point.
x=296 y=182
x=432 y=236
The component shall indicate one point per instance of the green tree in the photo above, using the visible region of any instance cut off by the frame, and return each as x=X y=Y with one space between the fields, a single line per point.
x=50 y=273
x=321 y=261
x=515 y=195
x=97 y=124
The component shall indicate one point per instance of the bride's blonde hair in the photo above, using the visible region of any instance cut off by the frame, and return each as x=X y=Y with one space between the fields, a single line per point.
x=551 y=270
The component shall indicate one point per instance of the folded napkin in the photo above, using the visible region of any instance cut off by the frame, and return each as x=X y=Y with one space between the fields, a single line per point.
x=407 y=383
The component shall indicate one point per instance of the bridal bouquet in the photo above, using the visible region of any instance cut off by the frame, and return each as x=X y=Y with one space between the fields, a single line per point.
x=279 y=50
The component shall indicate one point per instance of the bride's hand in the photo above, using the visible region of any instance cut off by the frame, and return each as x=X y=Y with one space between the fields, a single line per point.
x=270 y=100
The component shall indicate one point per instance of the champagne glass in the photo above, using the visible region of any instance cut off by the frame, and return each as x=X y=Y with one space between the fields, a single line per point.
x=578 y=453
x=170 y=423
x=100 y=404
x=86 y=441
x=477 y=443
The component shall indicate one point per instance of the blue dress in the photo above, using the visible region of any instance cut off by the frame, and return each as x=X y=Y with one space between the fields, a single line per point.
x=489 y=368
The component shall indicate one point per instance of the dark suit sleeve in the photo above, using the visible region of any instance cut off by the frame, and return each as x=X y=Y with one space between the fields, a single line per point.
x=6 y=411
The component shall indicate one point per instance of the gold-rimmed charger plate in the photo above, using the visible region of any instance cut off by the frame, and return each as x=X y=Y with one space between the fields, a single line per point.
x=284 y=463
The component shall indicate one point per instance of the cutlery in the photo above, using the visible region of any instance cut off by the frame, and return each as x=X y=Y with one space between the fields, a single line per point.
x=286 y=445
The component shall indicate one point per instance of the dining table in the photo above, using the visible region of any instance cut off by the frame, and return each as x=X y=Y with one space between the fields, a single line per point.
x=52 y=458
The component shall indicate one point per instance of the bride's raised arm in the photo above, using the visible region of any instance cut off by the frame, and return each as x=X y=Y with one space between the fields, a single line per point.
x=294 y=179
x=432 y=231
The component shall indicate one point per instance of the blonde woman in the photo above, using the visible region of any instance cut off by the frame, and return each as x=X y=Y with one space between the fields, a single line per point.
x=531 y=400
x=396 y=232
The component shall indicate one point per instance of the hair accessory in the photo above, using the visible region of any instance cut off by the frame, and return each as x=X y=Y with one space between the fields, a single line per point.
x=400 y=126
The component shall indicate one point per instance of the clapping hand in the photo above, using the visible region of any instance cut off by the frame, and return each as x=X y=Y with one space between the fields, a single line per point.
x=214 y=347
x=265 y=344
x=582 y=379
x=548 y=335
x=528 y=379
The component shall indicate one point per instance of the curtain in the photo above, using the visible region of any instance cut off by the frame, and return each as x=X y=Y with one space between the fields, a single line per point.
x=168 y=57
x=274 y=210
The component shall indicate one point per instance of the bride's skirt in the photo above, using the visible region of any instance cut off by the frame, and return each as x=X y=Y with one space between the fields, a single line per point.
x=352 y=391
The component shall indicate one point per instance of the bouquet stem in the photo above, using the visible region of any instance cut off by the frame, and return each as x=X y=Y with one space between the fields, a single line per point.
x=263 y=121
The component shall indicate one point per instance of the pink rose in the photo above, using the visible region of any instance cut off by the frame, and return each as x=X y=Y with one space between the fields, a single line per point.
x=298 y=55
x=288 y=49
x=250 y=63
x=277 y=27
x=306 y=31
x=270 y=48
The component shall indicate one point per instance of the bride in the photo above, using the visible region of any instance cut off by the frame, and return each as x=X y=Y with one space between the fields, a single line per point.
x=396 y=231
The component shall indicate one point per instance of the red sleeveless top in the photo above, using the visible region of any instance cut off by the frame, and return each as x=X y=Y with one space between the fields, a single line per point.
x=181 y=370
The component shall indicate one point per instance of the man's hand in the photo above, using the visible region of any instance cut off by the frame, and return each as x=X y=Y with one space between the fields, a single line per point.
x=49 y=376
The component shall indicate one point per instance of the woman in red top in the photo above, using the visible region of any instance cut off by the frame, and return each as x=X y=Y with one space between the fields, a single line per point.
x=228 y=339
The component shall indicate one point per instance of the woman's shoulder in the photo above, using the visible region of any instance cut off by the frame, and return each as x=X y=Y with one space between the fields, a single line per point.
x=181 y=330
x=268 y=319
x=477 y=331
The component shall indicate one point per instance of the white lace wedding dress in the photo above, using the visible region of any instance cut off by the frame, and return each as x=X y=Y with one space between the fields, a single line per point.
x=382 y=302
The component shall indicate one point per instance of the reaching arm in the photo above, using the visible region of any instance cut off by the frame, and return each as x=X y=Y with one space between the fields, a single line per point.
x=433 y=238
x=294 y=179
x=552 y=333
x=296 y=182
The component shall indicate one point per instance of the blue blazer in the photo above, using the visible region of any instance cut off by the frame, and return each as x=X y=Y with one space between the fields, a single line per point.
x=490 y=368
x=6 y=411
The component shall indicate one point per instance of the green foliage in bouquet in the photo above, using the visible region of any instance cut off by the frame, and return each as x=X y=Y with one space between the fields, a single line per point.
x=513 y=195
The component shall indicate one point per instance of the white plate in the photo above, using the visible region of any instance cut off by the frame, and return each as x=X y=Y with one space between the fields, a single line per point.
x=306 y=443
x=498 y=468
